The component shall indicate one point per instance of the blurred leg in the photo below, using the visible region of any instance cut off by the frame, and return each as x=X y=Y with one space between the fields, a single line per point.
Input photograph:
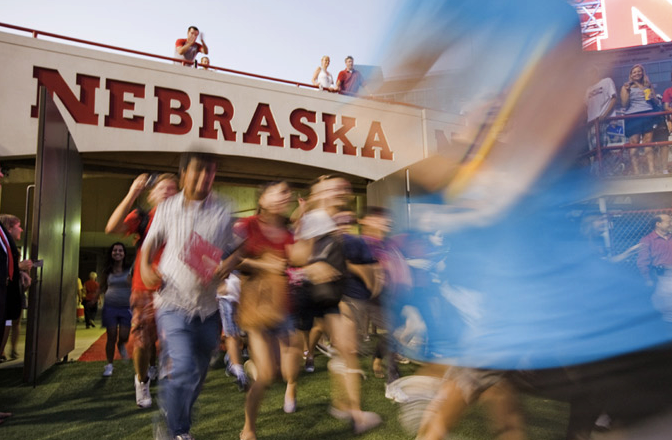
x=261 y=352
x=290 y=360
x=505 y=413
x=111 y=343
x=443 y=413
x=634 y=153
x=649 y=153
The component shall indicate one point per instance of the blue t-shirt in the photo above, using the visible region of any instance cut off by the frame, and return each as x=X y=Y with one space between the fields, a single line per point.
x=356 y=252
x=526 y=291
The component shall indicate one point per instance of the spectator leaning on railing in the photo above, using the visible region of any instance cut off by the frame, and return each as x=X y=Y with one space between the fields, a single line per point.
x=600 y=102
x=350 y=80
x=188 y=48
x=667 y=103
x=637 y=98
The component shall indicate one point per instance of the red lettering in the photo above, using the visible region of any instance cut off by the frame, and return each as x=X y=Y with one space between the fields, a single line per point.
x=376 y=139
x=210 y=105
x=116 y=118
x=262 y=120
x=165 y=111
x=311 y=137
x=621 y=18
x=82 y=110
x=330 y=136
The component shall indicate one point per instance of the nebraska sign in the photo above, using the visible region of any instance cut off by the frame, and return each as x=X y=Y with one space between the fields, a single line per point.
x=118 y=103
x=216 y=114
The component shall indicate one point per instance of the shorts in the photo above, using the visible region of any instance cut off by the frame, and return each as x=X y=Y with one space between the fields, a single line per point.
x=227 y=312
x=592 y=136
x=143 y=323
x=472 y=382
x=357 y=311
x=304 y=310
x=116 y=316
x=640 y=125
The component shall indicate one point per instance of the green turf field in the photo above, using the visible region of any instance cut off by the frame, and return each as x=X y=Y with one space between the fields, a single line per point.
x=73 y=401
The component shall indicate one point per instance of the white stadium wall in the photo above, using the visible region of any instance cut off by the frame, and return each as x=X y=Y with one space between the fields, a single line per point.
x=114 y=102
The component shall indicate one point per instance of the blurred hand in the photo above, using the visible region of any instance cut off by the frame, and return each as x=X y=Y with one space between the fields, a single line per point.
x=139 y=184
x=26 y=280
x=26 y=265
x=273 y=264
x=226 y=266
x=320 y=273
x=151 y=277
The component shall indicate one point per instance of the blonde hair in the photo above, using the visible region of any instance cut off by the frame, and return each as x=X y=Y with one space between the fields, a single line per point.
x=645 y=78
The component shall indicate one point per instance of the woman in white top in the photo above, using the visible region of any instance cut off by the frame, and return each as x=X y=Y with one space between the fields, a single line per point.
x=321 y=77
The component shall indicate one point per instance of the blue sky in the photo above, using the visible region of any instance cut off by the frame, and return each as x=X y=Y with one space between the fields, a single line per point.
x=284 y=39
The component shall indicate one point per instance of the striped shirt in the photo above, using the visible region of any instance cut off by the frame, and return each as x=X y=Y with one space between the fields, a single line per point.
x=174 y=222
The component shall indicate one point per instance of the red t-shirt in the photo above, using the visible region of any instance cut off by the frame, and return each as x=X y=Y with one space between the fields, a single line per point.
x=256 y=243
x=132 y=222
x=191 y=53
x=91 y=289
x=667 y=95
x=350 y=81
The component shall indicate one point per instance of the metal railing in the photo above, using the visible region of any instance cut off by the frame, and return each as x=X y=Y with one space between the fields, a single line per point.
x=615 y=157
x=36 y=33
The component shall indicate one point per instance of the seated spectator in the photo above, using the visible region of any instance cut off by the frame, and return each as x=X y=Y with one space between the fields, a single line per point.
x=188 y=48
x=205 y=63
x=322 y=78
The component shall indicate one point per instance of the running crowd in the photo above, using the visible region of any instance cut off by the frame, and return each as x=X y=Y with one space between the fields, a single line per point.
x=273 y=283
x=349 y=81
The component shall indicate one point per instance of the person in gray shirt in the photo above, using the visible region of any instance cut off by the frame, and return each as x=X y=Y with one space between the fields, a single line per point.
x=195 y=228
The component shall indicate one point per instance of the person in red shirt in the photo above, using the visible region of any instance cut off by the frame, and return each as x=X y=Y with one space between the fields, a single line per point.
x=188 y=48
x=667 y=103
x=125 y=221
x=91 y=299
x=349 y=80
x=265 y=251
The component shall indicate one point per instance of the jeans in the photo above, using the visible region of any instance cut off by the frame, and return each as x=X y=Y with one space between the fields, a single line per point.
x=186 y=347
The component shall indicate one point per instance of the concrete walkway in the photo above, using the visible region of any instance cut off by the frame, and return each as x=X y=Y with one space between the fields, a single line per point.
x=84 y=338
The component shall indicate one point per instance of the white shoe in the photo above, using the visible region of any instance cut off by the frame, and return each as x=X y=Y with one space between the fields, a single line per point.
x=153 y=372
x=339 y=413
x=367 y=421
x=142 y=396
x=109 y=368
x=289 y=406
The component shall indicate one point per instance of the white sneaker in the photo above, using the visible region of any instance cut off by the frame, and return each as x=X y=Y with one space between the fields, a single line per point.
x=109 y=368
x=339 y=413
x=153 y=372
x=142 y=396
x=366 y=421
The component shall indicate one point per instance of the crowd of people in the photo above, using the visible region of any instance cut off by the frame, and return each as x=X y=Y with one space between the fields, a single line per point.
x=349 y=80
x=264 y=282
x=638 y=99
